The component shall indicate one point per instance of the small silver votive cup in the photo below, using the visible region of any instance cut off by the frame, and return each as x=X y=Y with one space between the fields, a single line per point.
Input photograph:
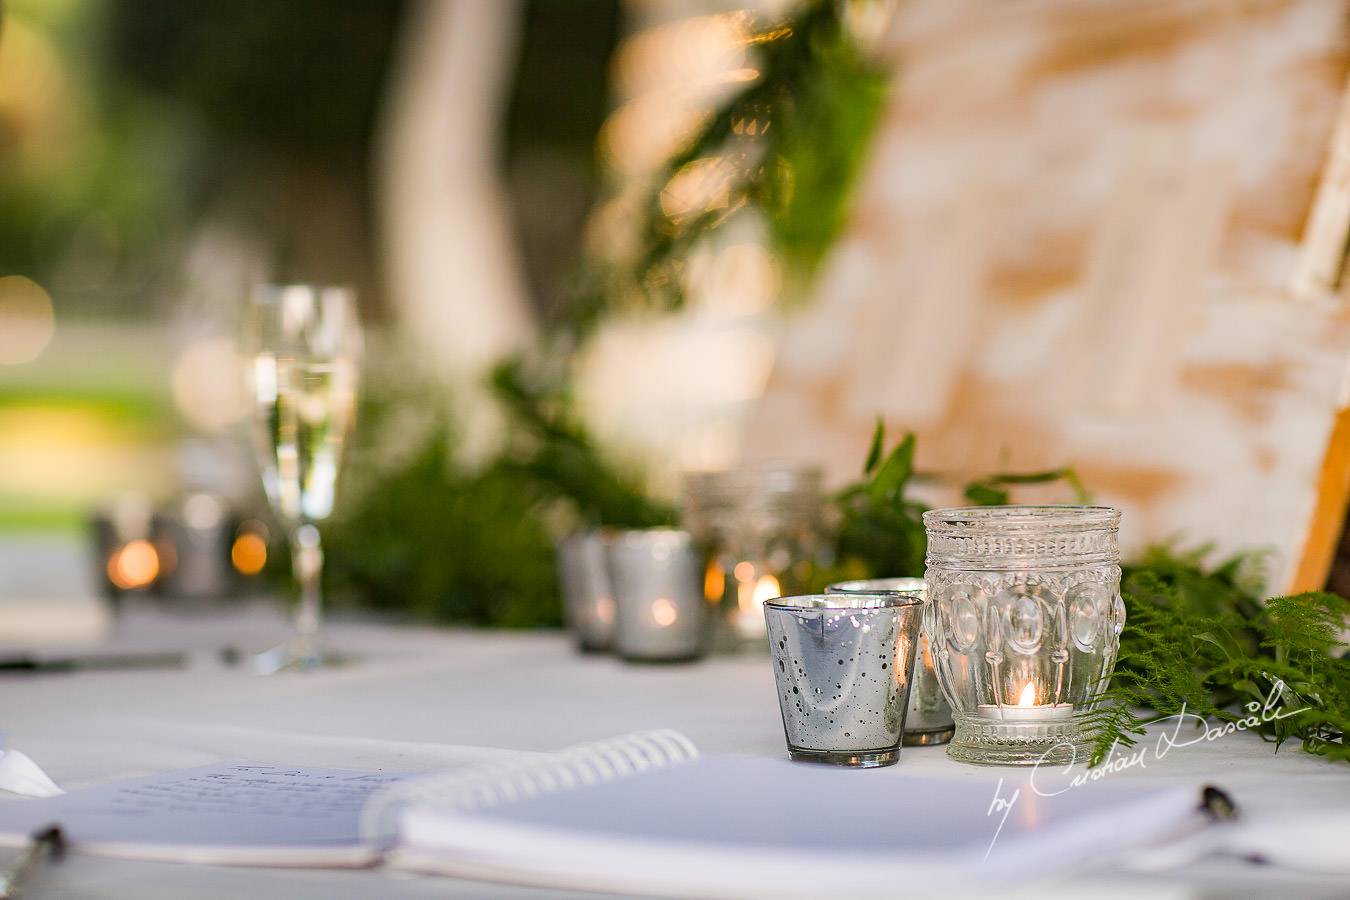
x=657 y=576
x=929 y=719
x=588 y=599
x=843 y=664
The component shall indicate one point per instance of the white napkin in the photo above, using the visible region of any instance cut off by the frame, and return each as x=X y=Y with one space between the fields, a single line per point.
x=1309 y=842
x=20 y=775
x=1313 y=842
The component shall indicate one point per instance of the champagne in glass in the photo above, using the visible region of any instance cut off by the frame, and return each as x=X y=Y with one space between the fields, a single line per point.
x=305 y=345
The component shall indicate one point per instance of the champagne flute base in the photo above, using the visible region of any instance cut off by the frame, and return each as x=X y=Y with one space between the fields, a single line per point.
x=298 y=656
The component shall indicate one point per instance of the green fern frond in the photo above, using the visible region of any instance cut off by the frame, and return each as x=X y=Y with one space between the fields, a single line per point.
x=1201 y=640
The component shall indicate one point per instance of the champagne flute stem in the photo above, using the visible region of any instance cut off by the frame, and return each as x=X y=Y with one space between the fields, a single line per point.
x=307 y=559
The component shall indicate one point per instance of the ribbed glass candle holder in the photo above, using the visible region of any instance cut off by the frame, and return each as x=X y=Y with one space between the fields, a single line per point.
x=1024 y=617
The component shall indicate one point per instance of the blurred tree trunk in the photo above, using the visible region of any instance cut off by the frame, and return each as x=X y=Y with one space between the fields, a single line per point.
x=454 y=280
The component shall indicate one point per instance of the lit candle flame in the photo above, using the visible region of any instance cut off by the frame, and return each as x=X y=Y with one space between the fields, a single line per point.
x=1028 y=697
x=751 y=592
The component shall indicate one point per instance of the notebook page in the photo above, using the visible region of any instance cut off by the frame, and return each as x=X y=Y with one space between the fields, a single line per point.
x=227 y=813
x=725 y=826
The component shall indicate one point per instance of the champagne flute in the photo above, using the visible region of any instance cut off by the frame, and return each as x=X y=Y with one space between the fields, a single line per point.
x=303 y=346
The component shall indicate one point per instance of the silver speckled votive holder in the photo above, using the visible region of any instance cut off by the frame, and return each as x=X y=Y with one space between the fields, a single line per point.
x=657 y=576
x=843 y=664
x=929 y=719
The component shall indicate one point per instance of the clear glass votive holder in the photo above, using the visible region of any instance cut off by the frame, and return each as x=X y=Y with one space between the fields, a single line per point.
x=1024 y=616
x=657 y=576
x=843 y=664
x=929 y=719
x=588 y=598
x=760 y=525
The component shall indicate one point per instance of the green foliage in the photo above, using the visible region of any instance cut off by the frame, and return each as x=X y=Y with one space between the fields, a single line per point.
x=880 y=532
x=824 y=111
x=433 y=541
x=418 y=534
x=451 y=547
x=302 y=74
x=993 y=491
x=84 y=198
x=1199 y=640
x=554 y=452
x=791 y=143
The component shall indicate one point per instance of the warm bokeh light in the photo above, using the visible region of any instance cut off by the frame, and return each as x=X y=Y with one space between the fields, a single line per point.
x=766 y=589
x=669 y=78
x=604 y=610
x=27 y=320
x=208 y=385
x=714 y=582
x=249 y=554
x=135 y=565
x=700 y=186
x=637 y=137
x=751 y=592
x=249 y=551
x=696 y=54
x=664 y=612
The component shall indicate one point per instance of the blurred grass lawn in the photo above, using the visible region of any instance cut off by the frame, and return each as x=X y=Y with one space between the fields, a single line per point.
x=88 y=420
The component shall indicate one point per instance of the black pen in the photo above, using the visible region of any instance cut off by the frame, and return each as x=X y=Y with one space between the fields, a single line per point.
x=47 y=843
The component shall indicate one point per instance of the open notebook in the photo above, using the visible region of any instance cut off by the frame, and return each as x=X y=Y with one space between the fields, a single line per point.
x=640 y=814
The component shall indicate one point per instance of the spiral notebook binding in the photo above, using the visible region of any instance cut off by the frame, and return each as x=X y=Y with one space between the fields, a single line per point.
x=519 y=779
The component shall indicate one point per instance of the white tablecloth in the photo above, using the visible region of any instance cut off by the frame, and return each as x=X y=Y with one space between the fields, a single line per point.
x=421 y=698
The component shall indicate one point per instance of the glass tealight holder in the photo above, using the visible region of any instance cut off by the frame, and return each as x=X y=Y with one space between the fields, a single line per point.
x=656 y=574
x=760 y=526
x=929 y=720
x=588 y=598
x=1024 y=618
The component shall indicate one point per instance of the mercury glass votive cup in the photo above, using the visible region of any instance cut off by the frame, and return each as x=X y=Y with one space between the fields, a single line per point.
x=1024 y=617
x=843 y=664
x=659 y=609
x=929 y=719
x=588 y=599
